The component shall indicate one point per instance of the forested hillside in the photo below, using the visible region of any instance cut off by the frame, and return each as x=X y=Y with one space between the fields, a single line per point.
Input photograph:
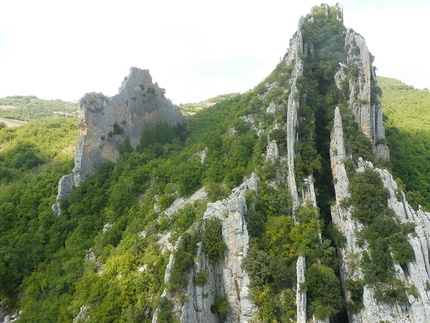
x=144 y=239
x=30 y=107
x=32 y=159
x=407 y=125
x=59 y=272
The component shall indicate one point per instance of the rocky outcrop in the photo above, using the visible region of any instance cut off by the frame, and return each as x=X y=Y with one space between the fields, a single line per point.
x=416 y=275
x=272 y=151
x=226 y=277
x=357 y=77
x=105 y=122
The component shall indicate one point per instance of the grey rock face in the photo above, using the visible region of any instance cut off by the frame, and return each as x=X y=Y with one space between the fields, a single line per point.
x=225 y=277
x=65 y=185
x=417 y=274
x=364 y=100
x=106 y=122
x=272 y=151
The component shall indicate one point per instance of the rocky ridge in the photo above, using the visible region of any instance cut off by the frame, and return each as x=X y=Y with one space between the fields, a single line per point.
x=356 y=76
x=415 y=274
x=226 y=277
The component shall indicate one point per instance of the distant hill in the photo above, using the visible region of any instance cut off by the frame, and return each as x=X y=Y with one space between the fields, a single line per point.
x=193 y=108
x=30 y=108
x=407 y=120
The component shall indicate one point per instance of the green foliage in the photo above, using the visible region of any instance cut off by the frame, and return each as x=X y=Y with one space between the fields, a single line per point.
x=385 y=236
x=183 y=220
x=157 y=135
x=31 y=163
x=184 y=260
x=257 y=264
x=323 y=290
x=368 y=195
x=305 y=234
x=406 y=121
x=125 y=146
x=213 y=241
x=193 y=108
x=391 y=293
x=415 y=199
x=221 y=305
x=355 y=288
x=165 y=314
x=356 y=142
x=30 y=108
x=202 y=278
x=34 y=144
x=119 y=274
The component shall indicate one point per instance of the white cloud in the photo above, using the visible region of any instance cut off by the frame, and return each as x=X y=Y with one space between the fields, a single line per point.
x=62 y=50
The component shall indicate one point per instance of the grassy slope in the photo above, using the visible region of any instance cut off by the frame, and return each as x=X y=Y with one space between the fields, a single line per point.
x=407 y=121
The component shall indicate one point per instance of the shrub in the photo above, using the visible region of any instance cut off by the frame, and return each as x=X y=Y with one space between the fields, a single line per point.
x=355 y=287
x=221 y=305
x=213 y=240
x=323 y=289
x=202 y=278
x=184 y=260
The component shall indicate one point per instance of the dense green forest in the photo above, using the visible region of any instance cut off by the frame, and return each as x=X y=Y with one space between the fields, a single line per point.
x=407 y=125
x=72 y=262
x=32 y=159
x=27 y=108
x=102 y=256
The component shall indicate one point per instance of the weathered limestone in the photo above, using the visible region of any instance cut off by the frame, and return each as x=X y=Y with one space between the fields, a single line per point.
x=350 y=253
x=65 y=185
x=225 y=277
x=272 y=152
x=418 y=271
x=106 y=122
x=296 y=48
x=359 y=77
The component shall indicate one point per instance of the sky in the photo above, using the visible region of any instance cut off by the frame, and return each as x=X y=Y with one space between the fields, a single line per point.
x=63 y=49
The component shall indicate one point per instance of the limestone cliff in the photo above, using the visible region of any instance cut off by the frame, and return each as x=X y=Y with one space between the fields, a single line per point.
x=105 y=122
x=225 y=277
x=357 y=77
x=415 y=275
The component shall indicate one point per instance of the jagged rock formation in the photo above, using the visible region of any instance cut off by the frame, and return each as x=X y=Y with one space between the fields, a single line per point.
x=355 y=77
x=106 y=122
x=416 y=273
x=226 y=277
x=361 y=84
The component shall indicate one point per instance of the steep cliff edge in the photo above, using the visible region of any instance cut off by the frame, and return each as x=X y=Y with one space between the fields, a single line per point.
x=412 y=275
x=105 y=123
x=367 y=300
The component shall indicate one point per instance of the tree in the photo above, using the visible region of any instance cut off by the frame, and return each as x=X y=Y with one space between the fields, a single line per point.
x=212 y=239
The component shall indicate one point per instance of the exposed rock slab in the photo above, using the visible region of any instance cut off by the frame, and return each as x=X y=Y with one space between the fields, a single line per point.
x=418 y=271
x=225 y=277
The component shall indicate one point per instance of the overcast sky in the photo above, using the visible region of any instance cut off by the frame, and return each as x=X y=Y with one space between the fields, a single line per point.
x=193 y=49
